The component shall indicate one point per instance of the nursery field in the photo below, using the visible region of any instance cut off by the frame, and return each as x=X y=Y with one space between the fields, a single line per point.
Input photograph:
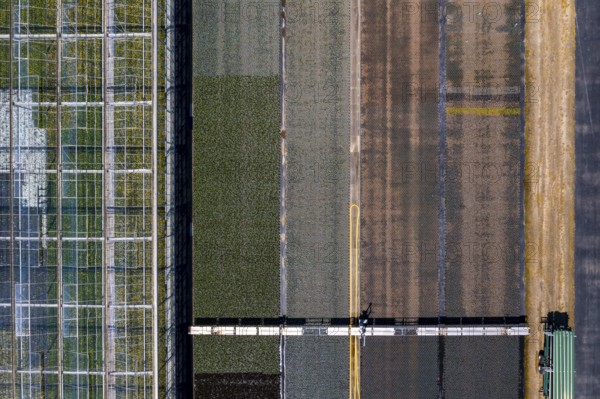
x=236 y=226
x=490 y=367
x=235 y=191
x=236 y=38
x=405 y=365
x=236 y=196
x=483 y=183
x=248 y=365
x=441 y=170
x=440 y=192
x=316 y=367
x=399 y=162
x=317 y=131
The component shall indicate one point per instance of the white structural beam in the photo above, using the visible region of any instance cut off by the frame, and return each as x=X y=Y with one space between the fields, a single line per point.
x=52 y=36
x=87 y=171
x=29 y=104
x=66 y=372
x=170 y=305
x=79 y=239
x=59 y=197
x=470 y=331
x=108 y=105
x=155 y=332
x=38 y=172
x=73 y=305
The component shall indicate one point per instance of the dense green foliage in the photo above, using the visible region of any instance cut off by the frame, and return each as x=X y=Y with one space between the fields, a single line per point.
x=236 y=354
x=236 y=196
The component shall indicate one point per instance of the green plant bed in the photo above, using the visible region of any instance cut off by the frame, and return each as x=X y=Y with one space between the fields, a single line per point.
x=236 y=196
x=236 y=354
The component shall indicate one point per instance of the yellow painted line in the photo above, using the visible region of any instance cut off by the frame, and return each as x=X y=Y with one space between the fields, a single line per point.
x=491 y=111
x=355 y=367
x=354 y=294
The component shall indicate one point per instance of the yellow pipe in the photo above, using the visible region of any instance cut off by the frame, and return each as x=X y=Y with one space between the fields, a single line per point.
x=491 y=111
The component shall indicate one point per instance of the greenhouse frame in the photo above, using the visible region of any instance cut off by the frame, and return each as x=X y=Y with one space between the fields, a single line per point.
x=88 y=159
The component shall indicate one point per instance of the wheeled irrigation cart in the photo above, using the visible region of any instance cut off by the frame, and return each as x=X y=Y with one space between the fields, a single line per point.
x=557 y=359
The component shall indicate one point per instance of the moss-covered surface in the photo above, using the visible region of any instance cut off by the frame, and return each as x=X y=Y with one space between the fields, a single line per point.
x=237 y=354
x=236 y=196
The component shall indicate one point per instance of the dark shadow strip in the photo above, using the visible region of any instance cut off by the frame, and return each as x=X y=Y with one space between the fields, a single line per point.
x=440 y=379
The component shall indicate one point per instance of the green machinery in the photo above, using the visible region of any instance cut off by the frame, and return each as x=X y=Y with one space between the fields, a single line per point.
x=557 y=359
